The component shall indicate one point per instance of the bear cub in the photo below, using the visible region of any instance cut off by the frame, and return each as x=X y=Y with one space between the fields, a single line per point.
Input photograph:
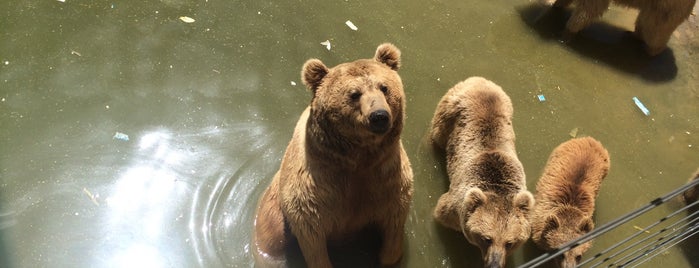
x=565 y=197
x=487 y=198
x=345 y=167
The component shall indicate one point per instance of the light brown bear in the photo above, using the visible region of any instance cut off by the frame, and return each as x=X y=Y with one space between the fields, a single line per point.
x=656 y=20
x=565 y=197
x=487 y=199
x=345 y=167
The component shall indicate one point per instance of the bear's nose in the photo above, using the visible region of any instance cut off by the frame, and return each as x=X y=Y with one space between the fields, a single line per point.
x=379 y=121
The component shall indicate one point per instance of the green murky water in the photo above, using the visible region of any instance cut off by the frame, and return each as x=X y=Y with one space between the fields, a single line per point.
x=209 y=107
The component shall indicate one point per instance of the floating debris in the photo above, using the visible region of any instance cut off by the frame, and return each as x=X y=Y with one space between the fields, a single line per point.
x=91 y=196
x=62 y=1
x=541 y=97
x=73 y=52
x=326 y=44
x=293 y=83
x=641 y=106
x=351 y=25
x=573 y=132
x=187 y=19
x=641 y=229
x=121 y=136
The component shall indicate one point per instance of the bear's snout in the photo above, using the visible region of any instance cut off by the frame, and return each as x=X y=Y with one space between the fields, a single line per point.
x=379 y=121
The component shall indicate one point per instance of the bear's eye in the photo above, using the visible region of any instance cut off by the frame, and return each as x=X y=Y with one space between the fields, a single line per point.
x=578 y=258
x=487 y=241
x=383 y=89
x=355 y=95
x=509 y=245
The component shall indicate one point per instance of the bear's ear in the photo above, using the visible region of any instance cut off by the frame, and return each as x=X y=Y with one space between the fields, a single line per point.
x=524 y=201
x=388 y=54
x=312 y=73
x=586 y=225
x=473 y=199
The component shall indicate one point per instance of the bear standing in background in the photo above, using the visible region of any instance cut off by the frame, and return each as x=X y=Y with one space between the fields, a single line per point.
x=565 y=196
x=345 y=167
x=487 y=199
x=656 y=20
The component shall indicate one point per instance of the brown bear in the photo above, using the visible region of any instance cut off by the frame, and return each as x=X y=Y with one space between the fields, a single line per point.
x=487 y=199
x=565 y=196
x=345 y=167
x=690 y=196
x=656 y=20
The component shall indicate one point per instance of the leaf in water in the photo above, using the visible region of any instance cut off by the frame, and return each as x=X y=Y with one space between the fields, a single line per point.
x=187 y=19
x=573 y=132
x=326 y=44
x=351 y=25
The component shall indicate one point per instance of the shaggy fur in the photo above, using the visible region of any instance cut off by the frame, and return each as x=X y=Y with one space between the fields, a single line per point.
x=345 y=167
x=487 y=199
x=656 y=20
x=565 y=196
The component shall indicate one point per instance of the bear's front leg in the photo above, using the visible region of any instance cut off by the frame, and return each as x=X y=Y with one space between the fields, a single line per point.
x=392 y=245
x=314 y=247
x=447 y=211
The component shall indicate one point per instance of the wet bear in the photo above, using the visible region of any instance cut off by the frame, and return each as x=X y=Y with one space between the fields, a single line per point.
x=487 y=199
x=345 y=167
x=565 y=196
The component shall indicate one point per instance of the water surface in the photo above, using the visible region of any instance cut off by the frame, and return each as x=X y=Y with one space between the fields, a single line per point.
x=209 y=107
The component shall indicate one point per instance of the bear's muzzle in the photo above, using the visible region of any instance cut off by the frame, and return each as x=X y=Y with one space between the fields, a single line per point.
x=379 y=121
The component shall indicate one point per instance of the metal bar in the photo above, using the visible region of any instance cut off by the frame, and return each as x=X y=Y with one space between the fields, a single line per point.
x=609 y=226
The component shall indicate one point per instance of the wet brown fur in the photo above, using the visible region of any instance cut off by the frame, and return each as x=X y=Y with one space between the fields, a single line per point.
x=565 y=197
x=338 y=177
x=487 y=199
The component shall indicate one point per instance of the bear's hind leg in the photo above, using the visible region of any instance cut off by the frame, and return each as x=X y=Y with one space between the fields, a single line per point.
x=270 y=236
x=585 y=13
x=654 y=28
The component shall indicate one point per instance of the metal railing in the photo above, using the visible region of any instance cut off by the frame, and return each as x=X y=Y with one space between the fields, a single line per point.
x=642 y=245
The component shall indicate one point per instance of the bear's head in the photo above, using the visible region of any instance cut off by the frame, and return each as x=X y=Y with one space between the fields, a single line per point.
x=359 y=102
x=496 y=224
x=562 y=227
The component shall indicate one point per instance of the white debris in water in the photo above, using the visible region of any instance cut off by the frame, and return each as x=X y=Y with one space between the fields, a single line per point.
x=326 y=44
x=7 y=62
x=293 y=83
x=121 y=136
x=351 y=25
x=187 y=19
x=62 y=1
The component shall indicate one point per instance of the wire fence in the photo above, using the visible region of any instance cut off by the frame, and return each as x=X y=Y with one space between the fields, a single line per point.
x=644 y=244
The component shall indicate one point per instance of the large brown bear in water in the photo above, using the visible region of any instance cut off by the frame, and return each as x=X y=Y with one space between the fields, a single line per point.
x=656 y=20
x=565 y=196
x=487 y=199
x=345 y=167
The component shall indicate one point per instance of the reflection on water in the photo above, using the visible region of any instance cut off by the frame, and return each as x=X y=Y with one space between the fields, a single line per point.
x=209 y=108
